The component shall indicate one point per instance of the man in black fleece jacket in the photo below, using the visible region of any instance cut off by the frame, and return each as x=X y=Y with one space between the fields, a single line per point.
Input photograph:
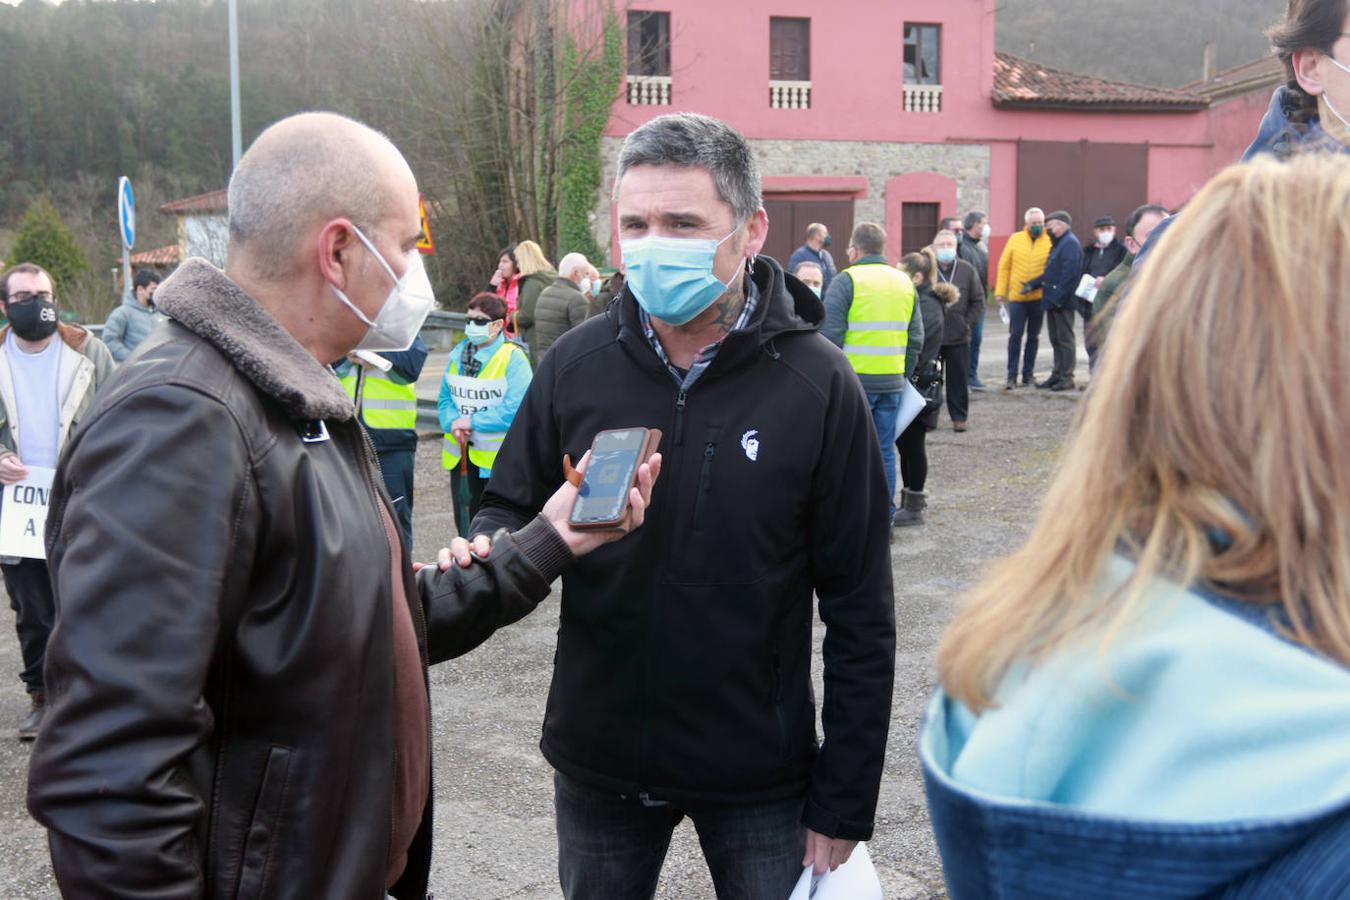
x=682 y=678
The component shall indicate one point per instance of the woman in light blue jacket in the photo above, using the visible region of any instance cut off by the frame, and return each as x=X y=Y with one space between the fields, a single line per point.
x=483 y=386
x=1151 y=698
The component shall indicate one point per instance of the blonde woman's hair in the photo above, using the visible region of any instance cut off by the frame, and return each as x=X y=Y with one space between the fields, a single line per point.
x=530 y=259
x=1214 y=446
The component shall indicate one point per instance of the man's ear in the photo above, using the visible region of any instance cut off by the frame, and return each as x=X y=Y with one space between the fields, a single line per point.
x=1308 y=66
x=757 y=232
x=335 y=244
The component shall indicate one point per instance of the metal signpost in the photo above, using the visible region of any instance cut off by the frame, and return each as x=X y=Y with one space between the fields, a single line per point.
x=235 y=132
x=126 y=226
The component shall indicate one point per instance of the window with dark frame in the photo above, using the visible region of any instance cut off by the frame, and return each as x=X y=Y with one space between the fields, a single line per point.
x=923 y=54
x=918 y=226
x=789 y=49
x=648 y=43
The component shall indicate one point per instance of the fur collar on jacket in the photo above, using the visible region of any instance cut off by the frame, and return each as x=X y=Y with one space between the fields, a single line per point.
x=206 y=302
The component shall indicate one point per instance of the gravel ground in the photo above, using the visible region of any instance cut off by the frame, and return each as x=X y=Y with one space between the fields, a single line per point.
x=494 y=830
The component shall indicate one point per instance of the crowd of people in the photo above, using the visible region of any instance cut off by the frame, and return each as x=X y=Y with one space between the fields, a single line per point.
x=1150 y=696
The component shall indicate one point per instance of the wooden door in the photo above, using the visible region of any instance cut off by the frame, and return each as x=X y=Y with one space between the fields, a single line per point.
x=788 y=219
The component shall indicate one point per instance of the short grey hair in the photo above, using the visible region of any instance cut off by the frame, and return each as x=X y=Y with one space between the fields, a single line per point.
x=313 y=168
x=815 y=229
x=572 y=264
x=693 y=141
x=869 y=239
x=1034 y=211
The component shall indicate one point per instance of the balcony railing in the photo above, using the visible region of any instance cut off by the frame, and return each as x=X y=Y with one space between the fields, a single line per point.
x=923 y=98
x=789 y=95
x=649 y=90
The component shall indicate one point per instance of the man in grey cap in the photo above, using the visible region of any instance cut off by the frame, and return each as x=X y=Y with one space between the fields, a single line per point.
x=1058 y=284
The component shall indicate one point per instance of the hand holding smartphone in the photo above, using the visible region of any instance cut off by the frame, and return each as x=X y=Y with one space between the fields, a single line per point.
x=616 y=454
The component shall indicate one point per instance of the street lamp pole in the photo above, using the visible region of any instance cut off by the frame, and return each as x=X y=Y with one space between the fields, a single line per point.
x=236 y=137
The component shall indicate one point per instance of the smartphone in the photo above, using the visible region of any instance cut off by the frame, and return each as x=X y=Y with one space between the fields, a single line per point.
x=602 y=501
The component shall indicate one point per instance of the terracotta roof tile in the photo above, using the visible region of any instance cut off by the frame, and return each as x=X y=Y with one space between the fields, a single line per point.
x=215 y=201
x=1023 y=83
x=161 y=257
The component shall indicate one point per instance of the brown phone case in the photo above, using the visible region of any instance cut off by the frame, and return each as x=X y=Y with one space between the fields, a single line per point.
x=650 y=443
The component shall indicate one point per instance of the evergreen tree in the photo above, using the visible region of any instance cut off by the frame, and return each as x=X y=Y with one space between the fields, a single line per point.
x=45 y=240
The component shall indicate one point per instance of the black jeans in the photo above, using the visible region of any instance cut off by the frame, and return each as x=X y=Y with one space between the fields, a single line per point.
x=29 y=586
x=1089 y=334
x=956 y=368
x=476 y=484
x=397 y=467
x=1060 y=323
x=913 y=447
x=612 y=847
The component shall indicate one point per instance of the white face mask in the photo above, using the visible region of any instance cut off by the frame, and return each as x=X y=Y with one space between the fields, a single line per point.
x=404 y=310
x=1104 y=238
x=1327 y=97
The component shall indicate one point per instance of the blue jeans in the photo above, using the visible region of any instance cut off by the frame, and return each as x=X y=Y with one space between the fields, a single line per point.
x=976 y=338
x=397 y=467
x=885 y=416
x=612 y=847
x=1024 y=317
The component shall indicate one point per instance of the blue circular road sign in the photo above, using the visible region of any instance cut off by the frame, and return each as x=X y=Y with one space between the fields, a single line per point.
x=126 y=212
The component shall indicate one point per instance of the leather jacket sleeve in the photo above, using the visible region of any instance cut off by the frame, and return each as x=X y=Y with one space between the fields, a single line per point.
x=465 y=606
x=149 y=511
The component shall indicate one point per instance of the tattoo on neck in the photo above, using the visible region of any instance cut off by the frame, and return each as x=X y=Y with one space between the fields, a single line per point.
x=729 y=307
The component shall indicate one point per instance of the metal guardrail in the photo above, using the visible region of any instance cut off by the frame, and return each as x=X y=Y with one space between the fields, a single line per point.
x=438 y=330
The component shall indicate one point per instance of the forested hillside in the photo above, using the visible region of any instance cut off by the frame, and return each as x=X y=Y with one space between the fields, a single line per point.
x=94 y=90
x=1145 y=41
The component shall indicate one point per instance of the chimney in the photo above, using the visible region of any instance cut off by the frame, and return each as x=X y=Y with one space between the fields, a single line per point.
x=1211 y=64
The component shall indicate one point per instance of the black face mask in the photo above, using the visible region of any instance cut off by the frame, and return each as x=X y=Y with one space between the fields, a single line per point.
x=33 y=319
x=829 y=239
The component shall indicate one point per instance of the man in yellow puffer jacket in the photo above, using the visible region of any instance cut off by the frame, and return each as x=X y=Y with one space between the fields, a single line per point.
x=1023 y=260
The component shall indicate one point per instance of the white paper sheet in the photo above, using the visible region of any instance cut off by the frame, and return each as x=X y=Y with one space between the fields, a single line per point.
x=854 y=880
x=1087 y=288
x=23 y=514
x=911 y=404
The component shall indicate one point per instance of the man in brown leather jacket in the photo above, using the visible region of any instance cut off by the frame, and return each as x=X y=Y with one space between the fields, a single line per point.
x=237 y=674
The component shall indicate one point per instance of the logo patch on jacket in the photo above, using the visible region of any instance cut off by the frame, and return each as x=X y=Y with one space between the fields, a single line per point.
x=750 y=444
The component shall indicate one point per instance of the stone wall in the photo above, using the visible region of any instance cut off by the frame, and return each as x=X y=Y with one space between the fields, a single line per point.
x=967 y=164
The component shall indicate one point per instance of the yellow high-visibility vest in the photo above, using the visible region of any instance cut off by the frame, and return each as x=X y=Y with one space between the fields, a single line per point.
x=878 y=320
x=484 y=391
x=385 y=403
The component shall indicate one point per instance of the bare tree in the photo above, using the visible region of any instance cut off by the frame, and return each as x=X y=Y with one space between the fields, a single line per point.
x=496 y=99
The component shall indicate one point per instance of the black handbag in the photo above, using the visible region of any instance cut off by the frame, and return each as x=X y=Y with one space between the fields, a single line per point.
x=929 y=381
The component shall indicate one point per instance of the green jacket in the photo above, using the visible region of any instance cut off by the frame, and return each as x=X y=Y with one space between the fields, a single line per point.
x=1104 y=305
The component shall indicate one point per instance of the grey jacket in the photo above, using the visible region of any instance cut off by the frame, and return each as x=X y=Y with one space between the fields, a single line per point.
x=85 y=366
x=838 y=301
x=560 y=308
x=127 y=326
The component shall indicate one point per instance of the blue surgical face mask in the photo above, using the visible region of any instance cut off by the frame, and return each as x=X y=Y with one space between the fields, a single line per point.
x=946 y=256
x=672 y=278
x=478 y=333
